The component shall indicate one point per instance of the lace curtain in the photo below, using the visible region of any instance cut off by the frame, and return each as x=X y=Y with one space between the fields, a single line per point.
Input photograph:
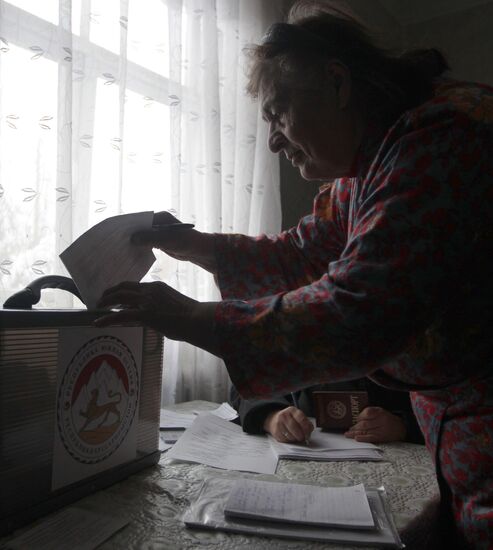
x=117 y=106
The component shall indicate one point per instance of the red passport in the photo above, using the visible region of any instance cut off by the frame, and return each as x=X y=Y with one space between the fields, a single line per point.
x=338 y=410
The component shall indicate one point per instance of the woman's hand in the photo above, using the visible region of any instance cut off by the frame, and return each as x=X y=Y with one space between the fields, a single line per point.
x=184 y=244
x=162 y=308
x=289 y=424
x=377 y=425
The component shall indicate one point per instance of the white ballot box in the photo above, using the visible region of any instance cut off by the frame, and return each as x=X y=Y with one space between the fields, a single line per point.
x=79 y=406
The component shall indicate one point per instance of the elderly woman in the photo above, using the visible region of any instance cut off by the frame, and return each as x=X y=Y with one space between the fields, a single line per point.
x=389 y=277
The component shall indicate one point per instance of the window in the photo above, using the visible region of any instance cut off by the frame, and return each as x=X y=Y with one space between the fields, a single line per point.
x=80 y=126
x=115 y=106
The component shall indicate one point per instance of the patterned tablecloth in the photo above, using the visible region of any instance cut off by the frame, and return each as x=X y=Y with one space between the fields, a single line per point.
x=155 y=498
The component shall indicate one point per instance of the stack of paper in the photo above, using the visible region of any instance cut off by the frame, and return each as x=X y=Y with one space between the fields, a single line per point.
x=344 y=512
x=327 y=446
x=297 y=503
x=216 y=442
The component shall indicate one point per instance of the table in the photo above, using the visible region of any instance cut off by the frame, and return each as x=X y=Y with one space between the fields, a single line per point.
x=155 y=498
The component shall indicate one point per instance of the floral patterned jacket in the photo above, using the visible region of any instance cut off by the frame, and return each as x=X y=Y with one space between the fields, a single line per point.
x=391 y=274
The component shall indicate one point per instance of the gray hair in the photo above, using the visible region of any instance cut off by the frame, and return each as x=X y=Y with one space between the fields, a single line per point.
x=292 y=55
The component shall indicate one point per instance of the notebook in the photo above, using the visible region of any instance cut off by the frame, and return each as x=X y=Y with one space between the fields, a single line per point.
x=299 y=503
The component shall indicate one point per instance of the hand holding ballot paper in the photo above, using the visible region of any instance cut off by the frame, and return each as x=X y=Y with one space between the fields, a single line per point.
x=104 y=256
x=109 y=253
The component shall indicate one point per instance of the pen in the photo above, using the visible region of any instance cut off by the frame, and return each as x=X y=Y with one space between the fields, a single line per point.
x=294 y=396
x=173 y=226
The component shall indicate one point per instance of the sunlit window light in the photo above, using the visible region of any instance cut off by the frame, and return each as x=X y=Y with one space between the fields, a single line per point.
x=106 y=147
x=145 y=169
x=28 y=154
x=76 y=16
x=105 y=24
x=127 y=164
x=45 y=9
x=148 y=35
x=146 y=166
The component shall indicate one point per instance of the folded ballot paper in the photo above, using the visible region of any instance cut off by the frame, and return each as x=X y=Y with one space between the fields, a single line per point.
x=345 y=515
x=103 y=256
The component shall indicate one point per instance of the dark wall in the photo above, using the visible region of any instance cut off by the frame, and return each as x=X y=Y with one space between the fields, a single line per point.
x=296 y=194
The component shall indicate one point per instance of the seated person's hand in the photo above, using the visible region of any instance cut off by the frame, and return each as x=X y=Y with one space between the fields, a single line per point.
x=289 y=424
x=377 y=425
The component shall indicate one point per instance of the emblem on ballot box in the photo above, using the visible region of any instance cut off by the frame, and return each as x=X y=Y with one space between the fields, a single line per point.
x=97 y=403
x=97 y=399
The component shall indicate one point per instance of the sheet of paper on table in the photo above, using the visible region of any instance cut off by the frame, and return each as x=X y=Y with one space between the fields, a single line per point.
x=172 y=420
x=72 y=528
x=103 y=256
x=226 y=411
x=327 y=446
x=300 y=503
x=216 y=442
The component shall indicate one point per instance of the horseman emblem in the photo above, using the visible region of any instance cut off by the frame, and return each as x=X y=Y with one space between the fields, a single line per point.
x=97 y=399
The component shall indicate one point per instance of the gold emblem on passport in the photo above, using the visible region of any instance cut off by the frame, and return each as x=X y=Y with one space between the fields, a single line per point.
x=338 y=410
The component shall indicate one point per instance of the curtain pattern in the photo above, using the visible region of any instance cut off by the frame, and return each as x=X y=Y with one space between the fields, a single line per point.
x=116 y=106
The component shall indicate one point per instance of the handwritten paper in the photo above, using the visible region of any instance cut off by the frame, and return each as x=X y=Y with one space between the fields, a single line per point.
x=103 y=256
x=297 y=503
x=216 y=442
